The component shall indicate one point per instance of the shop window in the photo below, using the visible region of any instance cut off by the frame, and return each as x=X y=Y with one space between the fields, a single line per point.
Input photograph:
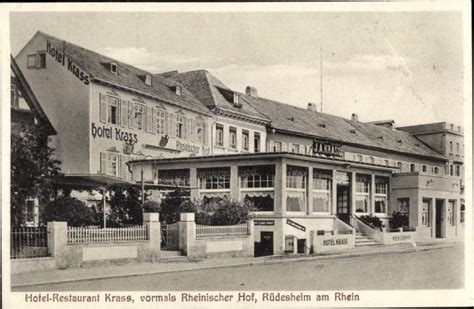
x=257 y=186
x=450 y=212
x=381 y=194
x=137 y=116
x=362 y=196
x=214 y=179
x=219 y=135
x=160 y=121
x=232 y=138
x=256 y=142
x=296 y=188
x=277 y=147
x=245 y=140
x=322 y=191
x=178 y=177
x=426 y=212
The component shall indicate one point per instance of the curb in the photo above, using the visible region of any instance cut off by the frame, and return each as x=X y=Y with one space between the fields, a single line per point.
x=257 y=261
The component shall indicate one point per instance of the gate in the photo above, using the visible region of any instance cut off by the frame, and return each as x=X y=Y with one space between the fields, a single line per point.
x=170 y=236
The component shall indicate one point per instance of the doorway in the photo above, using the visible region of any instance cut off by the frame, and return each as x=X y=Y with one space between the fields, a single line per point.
x=265 y=246
x=343 y=209
x=440 y=219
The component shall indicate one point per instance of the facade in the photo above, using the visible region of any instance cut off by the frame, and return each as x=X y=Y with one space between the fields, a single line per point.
x=305 y=171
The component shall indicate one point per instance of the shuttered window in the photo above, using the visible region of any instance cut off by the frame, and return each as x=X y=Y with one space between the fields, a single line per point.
x=137 y=115
x=160 y=121
x=109 y=109
x=124 y=113
x=114 y=164
x=103 y=107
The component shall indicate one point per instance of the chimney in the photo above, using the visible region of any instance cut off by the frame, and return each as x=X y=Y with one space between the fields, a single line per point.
x=251 y=91
x=355 y=118
x=312 y=107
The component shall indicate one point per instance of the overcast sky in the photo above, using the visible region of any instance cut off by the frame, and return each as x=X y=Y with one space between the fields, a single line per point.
x=405 y=66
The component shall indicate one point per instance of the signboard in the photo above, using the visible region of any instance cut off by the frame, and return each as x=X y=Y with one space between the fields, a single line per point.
x=326 y=148
x=264 y=222
x=295 y=225
x=60 y=56
x=335 y=242
x=117 y=134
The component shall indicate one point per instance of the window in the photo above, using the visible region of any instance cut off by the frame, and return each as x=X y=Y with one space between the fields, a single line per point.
x=180 y=128
x=137 y=116
x=424 y=168
x=199 y=129
x=178 y=90
x=160 y=121
x=451 y=170
x=148 y=80
x=450 y=212
x=322 y=188
x=295 y=148
x=362 y=200
x=232 y=138
x=461 y=218
x=245 y=140
x=276 y=146
x=214 y=178
x=404 y=206
x=296 y=188
x=256 y=142
x=257 y=186
x=412 y=167
x=435 y=169
x=457 y=148
x=381 y=194
x=112 y=110
x=113 y=167
x=399 y=165
x=237 y=100
x=450 y=147
x=426 y=212
x=219 y=135
x=458 y=170
x=114 y=68
x=178 y=177
x=31 y=61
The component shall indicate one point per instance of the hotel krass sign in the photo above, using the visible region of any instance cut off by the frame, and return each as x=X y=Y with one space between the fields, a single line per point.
x=329 y=149
x=60 y=57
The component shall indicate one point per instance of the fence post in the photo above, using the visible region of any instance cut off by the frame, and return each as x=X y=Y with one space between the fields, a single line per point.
x=152 y=222
x=57 y=240
x=187 y=232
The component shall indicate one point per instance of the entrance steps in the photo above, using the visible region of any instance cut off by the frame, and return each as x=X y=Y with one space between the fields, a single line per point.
x=173 y=256
x=362 y=240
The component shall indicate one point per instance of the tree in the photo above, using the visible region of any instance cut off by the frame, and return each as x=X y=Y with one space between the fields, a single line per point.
x=125 y=204
x=231 y=212
x=33 y=169
x=175 y=202
x=71 y=210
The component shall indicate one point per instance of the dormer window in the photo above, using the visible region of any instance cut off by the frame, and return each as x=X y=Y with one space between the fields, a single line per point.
x=236 y=100
x=148 y=80
x=399 y=142
x=114 y=68
x=178 y=90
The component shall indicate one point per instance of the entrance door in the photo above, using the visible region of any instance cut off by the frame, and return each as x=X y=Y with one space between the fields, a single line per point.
x=343 y=203
x=439 y=219
x=265 y=246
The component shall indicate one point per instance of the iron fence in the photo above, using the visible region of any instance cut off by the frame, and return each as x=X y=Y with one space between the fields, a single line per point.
x=28 y=242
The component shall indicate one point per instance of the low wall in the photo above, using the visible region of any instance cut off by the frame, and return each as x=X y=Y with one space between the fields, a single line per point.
x=392 y=238
x=238 y=246
x=327 y=243
x=377 y=236
x=18 y=266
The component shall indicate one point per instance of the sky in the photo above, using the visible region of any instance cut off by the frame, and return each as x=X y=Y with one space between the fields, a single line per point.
x=405 y=66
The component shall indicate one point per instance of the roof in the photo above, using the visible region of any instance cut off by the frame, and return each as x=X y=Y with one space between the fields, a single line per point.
x=30 y=97
x=289 y=118
x=128 y=77
x=214 y=94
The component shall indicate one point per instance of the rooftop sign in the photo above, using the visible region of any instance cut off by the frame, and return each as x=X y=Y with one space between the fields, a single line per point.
x=326 y=148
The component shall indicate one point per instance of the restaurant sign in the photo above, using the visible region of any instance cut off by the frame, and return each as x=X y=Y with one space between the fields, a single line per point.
x=264 y=222
x=295 y=225
x=326 y=148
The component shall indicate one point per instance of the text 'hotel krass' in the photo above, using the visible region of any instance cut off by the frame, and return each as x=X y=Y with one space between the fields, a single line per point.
x=308 y=173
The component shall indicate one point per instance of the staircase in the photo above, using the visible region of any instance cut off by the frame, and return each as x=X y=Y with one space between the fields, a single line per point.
x=362 y=240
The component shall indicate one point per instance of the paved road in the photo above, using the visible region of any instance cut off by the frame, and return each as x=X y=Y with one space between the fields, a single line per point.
x=434 y=269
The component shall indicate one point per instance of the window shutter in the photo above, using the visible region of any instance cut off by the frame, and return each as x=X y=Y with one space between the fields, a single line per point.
x=103 y=163
x=103 y=107
x=130 y=111
x=149 y=119
x=191 y=130
x=37 y=61
x=171 y=129
x=124 y=113
x=124 y=167
x=204 y=133
x=119 y=166
x=165 y=130
x=187 y=126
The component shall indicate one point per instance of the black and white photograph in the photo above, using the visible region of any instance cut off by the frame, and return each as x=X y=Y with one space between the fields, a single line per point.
x=245 y=155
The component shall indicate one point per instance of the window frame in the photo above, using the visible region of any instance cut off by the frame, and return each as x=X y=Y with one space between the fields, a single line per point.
x=319 y=190
x=180 y=128
x=245 y=140
x=256 y=142
x=132 y=122
x=219 y=135
x=109 y=105
x=232 y=138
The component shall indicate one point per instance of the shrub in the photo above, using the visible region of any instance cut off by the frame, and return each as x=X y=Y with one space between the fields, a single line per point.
x=151 y=206
x=230 y=212
x=398 y=220
x=175 y=202
x=372 y=221
x=71 y=210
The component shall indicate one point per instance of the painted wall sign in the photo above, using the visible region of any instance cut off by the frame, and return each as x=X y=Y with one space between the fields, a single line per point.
x=195 y=150
x=401 y=237
x=110 y=133
x=264 y=222
x=60 y=57
x=295 y=225
x=328 y=149
x=335 y=242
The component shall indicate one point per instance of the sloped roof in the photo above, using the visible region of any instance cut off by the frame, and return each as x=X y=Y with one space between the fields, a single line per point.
x=128 y=76
x=295 y=119
x=213 y=93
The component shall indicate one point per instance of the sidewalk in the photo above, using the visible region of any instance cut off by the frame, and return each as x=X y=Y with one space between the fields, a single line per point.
x=140 y=269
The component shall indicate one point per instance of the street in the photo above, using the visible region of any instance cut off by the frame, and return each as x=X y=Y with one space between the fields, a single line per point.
x=432 y=269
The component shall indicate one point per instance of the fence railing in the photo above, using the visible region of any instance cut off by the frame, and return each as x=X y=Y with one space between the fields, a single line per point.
x=211 y=231
x=77 y=235
x=28 y=242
